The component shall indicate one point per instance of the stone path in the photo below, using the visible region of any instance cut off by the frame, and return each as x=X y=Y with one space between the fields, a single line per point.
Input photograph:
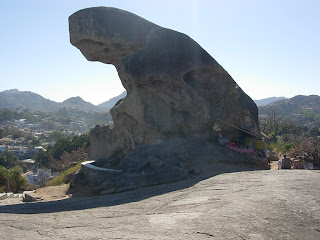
x=241 y=205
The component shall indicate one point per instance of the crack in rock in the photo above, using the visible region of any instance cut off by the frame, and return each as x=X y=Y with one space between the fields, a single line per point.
x=207 y=234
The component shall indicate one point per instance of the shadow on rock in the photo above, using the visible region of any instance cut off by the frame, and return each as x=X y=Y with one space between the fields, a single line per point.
x=78 y=203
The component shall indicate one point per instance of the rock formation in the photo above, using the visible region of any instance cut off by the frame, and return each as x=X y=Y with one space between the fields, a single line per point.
x=175 y=89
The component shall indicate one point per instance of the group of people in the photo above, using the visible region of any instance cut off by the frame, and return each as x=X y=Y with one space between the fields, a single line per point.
x=286 y=163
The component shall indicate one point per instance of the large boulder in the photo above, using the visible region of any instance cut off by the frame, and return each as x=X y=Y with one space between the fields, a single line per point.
x=30 y=196
x=174 y=87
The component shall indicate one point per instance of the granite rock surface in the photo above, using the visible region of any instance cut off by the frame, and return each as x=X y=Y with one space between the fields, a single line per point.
x=275 y=204
x=175 y=89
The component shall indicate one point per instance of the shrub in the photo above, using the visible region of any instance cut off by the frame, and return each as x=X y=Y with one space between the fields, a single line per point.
x=67 y=160
x=17 y=181
x=59 y=179
x=281 y=147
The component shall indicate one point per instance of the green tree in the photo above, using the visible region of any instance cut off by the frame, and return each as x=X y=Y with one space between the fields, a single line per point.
x=6 y=114
x=308 y=115
x=2 y=133
x=8 y=159
x=68 y=160
x=16 y=179
x=17 y=134
x=68 y=145
x=317 y=120
x=79 y=141
x=55 y=136
x=3 y=178
x=61 y=146
x=42 y=158
x=314 y=131
x=35 y=142
x=285 y=137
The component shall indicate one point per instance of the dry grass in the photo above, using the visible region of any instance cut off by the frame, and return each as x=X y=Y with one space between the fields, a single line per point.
x=59 y=179
x=53 y=193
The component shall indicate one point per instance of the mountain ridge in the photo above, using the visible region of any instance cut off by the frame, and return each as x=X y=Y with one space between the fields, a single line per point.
x=25 y=99
x=296 y=104
x=13 y=98
x=78 y=101
x=112 y=101
x=266 y=101
x=301 y=109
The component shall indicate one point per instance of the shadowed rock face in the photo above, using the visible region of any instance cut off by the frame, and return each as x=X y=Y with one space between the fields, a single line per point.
x=174 y=87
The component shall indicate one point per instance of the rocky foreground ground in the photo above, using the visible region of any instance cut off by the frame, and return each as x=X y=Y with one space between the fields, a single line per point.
x=269 y=204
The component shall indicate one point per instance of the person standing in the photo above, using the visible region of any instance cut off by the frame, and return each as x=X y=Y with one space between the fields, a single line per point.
x=279 y=164
x=266 y=153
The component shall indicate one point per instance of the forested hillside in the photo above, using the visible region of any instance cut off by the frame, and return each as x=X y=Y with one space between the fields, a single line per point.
x=304 y=110
x=293 y=126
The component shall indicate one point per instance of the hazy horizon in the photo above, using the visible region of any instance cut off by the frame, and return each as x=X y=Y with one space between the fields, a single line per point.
x=64 y=99
x=125 y=90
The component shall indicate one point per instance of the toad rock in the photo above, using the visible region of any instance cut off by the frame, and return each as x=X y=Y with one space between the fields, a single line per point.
x=175 y=89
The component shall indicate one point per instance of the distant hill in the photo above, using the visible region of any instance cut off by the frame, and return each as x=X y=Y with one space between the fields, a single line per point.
x=296 y=105
x=78 y=103
x=27 y=100
x=112 y=101
x=303 y=109
x=266 y=101
x=14 y=98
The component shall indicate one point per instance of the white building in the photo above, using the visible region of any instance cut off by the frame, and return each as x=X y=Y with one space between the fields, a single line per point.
x=40 y=178
x=20 y=122
x=37 y=149
x=18 y=150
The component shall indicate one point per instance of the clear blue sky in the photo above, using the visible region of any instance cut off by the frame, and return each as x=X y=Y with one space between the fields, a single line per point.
x=269 y=47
